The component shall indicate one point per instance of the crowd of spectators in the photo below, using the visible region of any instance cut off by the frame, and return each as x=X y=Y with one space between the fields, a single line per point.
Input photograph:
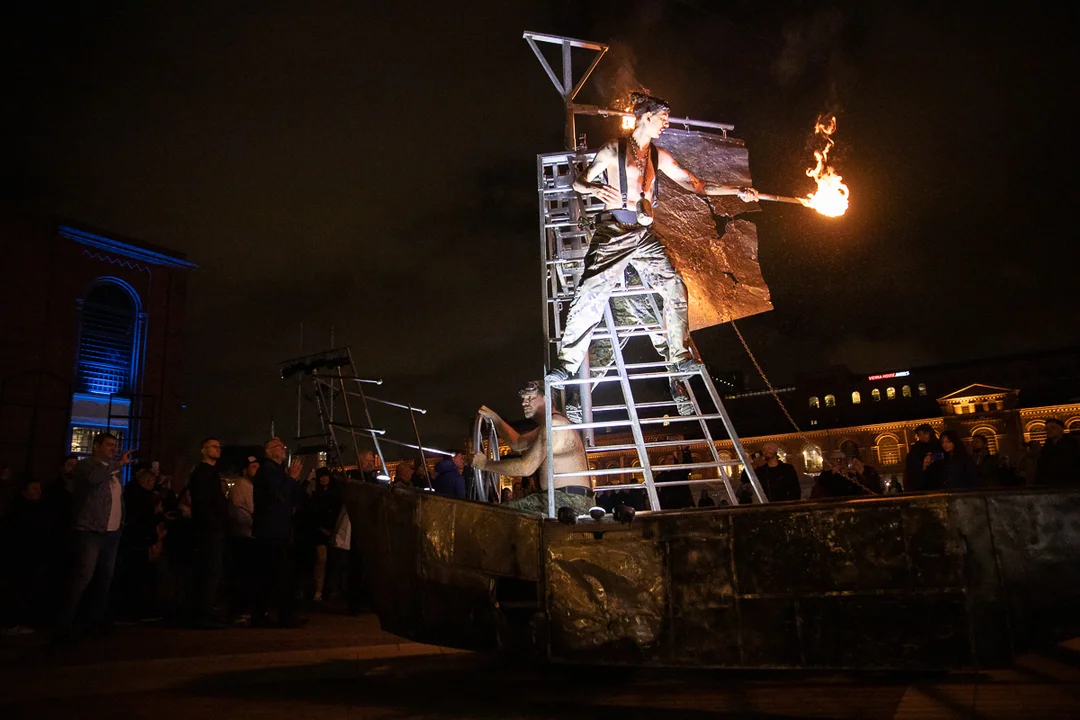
x=236 y=546
x=244 y=546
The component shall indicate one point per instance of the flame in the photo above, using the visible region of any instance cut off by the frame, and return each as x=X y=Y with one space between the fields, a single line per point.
x=628 y=121
x=831 y=197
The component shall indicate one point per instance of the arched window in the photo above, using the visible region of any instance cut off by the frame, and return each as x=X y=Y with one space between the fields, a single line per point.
x=856 y=398
x=1035 y=430
x=830 y=401
x=107 y=341
x=850 y=448
x=922 y=389
x=906 y=391
x=890 y=393
x=814 y=402
x=812 y=458
x=990 y=436
x=1072 y=425
x=876 y=395
x=888 y=450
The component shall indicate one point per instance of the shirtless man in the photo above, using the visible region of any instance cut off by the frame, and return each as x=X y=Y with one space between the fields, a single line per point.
x=624 y=236
x=568 y=454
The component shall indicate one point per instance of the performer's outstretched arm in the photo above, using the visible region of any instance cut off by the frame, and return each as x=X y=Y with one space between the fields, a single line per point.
x=686 y=180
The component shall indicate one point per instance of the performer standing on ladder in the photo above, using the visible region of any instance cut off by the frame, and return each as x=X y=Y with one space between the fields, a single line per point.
x=624 y=236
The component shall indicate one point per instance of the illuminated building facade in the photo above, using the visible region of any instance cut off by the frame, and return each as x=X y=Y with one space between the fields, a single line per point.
x=92 y=334
x=874 y=416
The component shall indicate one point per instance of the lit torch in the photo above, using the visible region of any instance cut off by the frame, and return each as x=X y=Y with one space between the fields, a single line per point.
x=831 y=197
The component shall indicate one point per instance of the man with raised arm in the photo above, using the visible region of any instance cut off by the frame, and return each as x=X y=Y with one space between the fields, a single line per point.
x=624 y=236
x=568 y=454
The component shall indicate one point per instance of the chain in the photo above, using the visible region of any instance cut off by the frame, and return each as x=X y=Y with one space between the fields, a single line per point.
x=776 y=396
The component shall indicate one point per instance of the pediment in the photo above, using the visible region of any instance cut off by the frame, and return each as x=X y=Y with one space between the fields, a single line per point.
x=976 y=391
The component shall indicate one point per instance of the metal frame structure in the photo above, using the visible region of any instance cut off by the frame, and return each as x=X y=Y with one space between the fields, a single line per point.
x=485 y=481
x=564 y=219
x=325 y=388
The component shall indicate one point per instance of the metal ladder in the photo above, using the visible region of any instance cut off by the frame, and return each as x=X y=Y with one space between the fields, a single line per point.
x=564 y=242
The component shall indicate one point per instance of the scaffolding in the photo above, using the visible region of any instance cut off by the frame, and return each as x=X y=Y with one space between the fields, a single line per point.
x=331 y=380
x=565 y=233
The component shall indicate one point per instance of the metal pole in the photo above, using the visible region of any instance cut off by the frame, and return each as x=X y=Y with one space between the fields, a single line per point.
x=549 y=450
x=348 y=415
x=568 y=84
x=339 y=372
x=782 y=198
x=631 y=411
x=605 y=112
x=416 y=431
x=367 y=416
x=299 y=383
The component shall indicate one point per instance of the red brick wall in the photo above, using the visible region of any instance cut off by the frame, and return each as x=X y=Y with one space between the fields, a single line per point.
x=42 y=279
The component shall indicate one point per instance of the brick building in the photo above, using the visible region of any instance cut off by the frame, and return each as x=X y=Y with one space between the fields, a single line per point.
x=92 y=340
x=873 y=417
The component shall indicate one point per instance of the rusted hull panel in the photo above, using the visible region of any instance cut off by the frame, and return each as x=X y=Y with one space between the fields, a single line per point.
x=716 y=257
x=939 y=581
x=432 y=566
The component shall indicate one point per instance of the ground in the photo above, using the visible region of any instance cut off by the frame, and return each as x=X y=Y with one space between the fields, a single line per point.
x=340 y=666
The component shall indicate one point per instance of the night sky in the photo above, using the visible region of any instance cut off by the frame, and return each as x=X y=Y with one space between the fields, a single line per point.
x=371 y=167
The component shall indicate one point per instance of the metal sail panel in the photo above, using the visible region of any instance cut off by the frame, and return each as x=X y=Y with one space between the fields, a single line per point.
x=717 y=256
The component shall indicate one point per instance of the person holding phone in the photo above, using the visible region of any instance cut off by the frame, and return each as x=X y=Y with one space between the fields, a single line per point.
x=915 y=467
x=952 y=468
x=99 y=515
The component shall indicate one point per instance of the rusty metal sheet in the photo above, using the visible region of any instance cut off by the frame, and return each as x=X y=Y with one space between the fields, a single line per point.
x=1036 y=544
x=717 y=256
x=488 y=538
x=607 y=599
x=934 y=581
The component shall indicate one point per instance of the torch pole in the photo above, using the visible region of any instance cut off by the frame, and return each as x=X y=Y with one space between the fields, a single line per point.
x=781 y=198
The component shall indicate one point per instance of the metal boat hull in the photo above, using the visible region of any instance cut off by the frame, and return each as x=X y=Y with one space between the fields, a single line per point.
x=909 y=582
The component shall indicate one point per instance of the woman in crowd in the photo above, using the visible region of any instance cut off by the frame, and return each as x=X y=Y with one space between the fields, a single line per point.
x=953 y=468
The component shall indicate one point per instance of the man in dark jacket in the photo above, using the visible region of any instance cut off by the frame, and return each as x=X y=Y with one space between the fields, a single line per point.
x=1059 y=461
x=137 y=571
x=926 y=444
x=449 y=482
x=209 y=521
x=276 y=492
x=989 y=466
x=99 y=513
x=779 y=480
x=674 y=497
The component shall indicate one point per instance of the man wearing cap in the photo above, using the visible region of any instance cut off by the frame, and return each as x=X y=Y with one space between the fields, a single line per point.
x=568 y=454
x=624 y=235
x=1059 y=461
x=926 y=444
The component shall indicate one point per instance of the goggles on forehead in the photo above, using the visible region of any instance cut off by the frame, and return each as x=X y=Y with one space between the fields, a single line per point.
x=533 y=386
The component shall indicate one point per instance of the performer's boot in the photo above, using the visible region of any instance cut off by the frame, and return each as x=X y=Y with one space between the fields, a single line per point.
x=683 y=403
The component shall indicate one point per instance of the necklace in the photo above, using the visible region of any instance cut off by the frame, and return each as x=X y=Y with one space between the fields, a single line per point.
x=641 y=160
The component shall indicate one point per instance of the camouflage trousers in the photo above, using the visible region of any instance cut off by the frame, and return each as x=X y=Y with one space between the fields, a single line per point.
x=629 y=310
x=613 y=248
x=538 y=502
